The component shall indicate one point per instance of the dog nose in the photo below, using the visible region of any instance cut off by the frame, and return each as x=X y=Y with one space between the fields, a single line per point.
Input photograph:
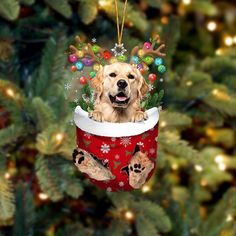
x=122 y=83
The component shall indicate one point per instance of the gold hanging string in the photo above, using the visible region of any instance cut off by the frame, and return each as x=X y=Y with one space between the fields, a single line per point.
x=120 y=31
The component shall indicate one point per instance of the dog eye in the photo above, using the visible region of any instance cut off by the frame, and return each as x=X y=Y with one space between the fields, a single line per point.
x=113 y=75
x=130 y=76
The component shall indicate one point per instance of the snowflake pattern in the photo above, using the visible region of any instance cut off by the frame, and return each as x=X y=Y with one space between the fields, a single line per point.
x=105 y=148
x=152 y=150
x=109 y=189
x=125 y=141
x=87 y=135
x=117 y=156
x=67 y=86
x=121 y=184
x=140 y=144
x=150 y=87
x=94 y=40
x=118 y=50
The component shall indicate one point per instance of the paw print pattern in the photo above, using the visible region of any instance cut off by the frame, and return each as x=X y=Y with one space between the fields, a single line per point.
x=137 y=168
x=78 y=157
x=91 y=165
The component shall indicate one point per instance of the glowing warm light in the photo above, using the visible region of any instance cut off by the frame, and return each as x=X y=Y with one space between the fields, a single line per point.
x=229 y=218
x=220 y=94
x=219 y=159
x=219 y=52
x=186 y=2
x=10 y=92
x=7 y=175
x=198 y=168
x=164 y=20
x=146 y=189
x=189 y=83
x=210 y=132
x=222 y=166
x=43 y=196
x=175 y=166
x=104 y=3
x=203 y=183
x=59 y=137
x=129 y=215
x=163 y=124
x=228 y=41
x=215 y=91
x=234 y=39
x=211 y=25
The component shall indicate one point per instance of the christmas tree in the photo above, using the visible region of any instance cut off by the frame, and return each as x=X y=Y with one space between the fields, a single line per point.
x=193 y=191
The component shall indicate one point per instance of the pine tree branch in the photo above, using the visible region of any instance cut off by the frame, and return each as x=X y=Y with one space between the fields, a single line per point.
x=9 y=9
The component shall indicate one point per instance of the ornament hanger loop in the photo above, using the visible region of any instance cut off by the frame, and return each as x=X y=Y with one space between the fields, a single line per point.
x=120 y=31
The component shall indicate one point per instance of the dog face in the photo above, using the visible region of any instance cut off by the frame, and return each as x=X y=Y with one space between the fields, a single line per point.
x=119 y=84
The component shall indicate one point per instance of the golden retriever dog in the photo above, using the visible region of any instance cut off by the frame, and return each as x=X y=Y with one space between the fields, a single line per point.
x=119 y=89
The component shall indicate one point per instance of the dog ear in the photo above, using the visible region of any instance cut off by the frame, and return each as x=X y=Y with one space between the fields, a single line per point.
x=143 y=86
x=97 y=81
x=137 y=149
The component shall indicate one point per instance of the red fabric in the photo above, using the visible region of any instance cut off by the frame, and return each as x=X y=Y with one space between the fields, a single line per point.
x=118 y=152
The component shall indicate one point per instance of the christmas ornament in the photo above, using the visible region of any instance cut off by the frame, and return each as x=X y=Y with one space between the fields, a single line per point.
x=96 y=67
x=82 y=80
x=122 y=58
x=87 y=61
x=114 y=156
x=73 y=68
x=118 y=50
x=142 y=71
x=106 y=55
x=148 y=60
x=140 y=66
x=79 y=65
x=158 y=61
x=135 y=59
x=147 y=45
x=95 y=48
x=141 y=53
x=92 y=74
x=80 y=54
x=152 y=77
x=73 y=58
x=162 y=69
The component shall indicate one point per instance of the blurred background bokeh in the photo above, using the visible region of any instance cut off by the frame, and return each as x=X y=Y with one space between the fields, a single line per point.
x=193 y=192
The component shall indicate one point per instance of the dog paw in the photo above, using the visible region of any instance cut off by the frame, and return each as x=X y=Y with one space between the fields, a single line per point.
x=97 y=116
x=139 y=116
x=78 y=157
x=137 y=168
x=91 y=165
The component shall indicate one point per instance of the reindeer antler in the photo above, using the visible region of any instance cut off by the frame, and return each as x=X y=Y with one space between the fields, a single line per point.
x=151 y=50
x=86 y=49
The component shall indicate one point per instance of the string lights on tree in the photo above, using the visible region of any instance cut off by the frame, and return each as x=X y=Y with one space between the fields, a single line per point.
x=211 y=26
x=129 y=215
x=186 y=2
x=198 y=168
x=10 y=92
